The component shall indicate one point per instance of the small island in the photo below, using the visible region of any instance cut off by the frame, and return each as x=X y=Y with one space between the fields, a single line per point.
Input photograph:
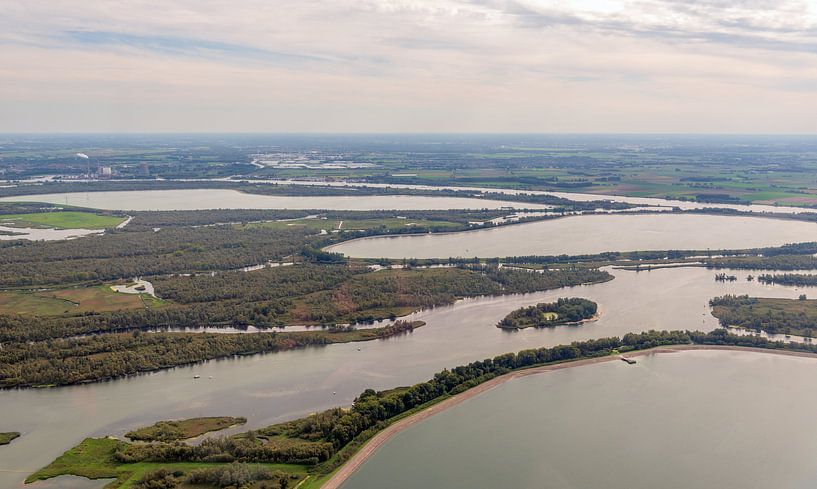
x=572 y=310
x=7 y=437
x=183 y=429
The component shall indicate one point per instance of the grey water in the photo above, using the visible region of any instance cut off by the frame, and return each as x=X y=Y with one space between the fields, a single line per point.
x=276 y=387
x=703 y=419
x=590 y=234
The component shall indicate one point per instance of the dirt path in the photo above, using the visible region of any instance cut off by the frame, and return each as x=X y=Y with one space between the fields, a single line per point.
x=346 y=470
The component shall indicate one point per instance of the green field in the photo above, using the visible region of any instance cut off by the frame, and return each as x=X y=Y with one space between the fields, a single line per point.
x=94 y=459
x=183 y=429
x=79 y=300
x=62 y=220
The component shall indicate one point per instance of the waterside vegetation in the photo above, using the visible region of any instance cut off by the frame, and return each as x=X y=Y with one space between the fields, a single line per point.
x=772 y=315
x=320 y=443
x=8 y=436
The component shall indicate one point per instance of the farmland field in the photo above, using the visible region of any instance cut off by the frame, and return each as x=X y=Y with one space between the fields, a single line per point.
x=62 y=220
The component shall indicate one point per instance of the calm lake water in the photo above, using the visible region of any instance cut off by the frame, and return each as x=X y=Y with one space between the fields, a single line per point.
x=590 y=234
x=276 y=387
x=197 y=199
x=575 y=196
x=701 y=419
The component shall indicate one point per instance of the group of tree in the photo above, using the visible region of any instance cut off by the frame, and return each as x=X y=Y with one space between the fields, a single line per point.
x=722 y=277
x=772 y=315
x=546 y=314
x=795 y=279
x=235 y=476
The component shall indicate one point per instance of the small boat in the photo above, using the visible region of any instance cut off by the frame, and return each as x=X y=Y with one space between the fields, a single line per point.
x=630 y=361
x=197 y=376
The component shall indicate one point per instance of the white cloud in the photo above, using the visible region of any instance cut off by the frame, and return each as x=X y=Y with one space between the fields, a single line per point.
x=447 y=65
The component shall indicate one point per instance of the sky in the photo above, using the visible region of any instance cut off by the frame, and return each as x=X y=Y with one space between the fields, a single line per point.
x=532 y=66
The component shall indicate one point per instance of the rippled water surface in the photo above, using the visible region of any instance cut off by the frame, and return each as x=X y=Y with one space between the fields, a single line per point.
x=702 y=419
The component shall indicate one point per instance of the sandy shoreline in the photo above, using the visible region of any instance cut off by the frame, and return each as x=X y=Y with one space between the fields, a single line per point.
x=347 y=469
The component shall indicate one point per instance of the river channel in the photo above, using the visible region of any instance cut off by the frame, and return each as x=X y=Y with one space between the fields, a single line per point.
x=276 y=387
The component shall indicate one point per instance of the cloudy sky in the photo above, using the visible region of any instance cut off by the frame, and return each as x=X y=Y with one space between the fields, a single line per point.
x=725 y=66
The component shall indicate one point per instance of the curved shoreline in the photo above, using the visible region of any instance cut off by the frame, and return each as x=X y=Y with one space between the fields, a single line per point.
x=333 y=247
x=373 y=444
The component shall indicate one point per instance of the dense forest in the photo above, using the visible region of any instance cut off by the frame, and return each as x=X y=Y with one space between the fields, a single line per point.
x=325 y=440
x=563 y=311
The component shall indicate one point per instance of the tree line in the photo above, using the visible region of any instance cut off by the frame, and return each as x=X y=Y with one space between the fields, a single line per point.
x=795 y=279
